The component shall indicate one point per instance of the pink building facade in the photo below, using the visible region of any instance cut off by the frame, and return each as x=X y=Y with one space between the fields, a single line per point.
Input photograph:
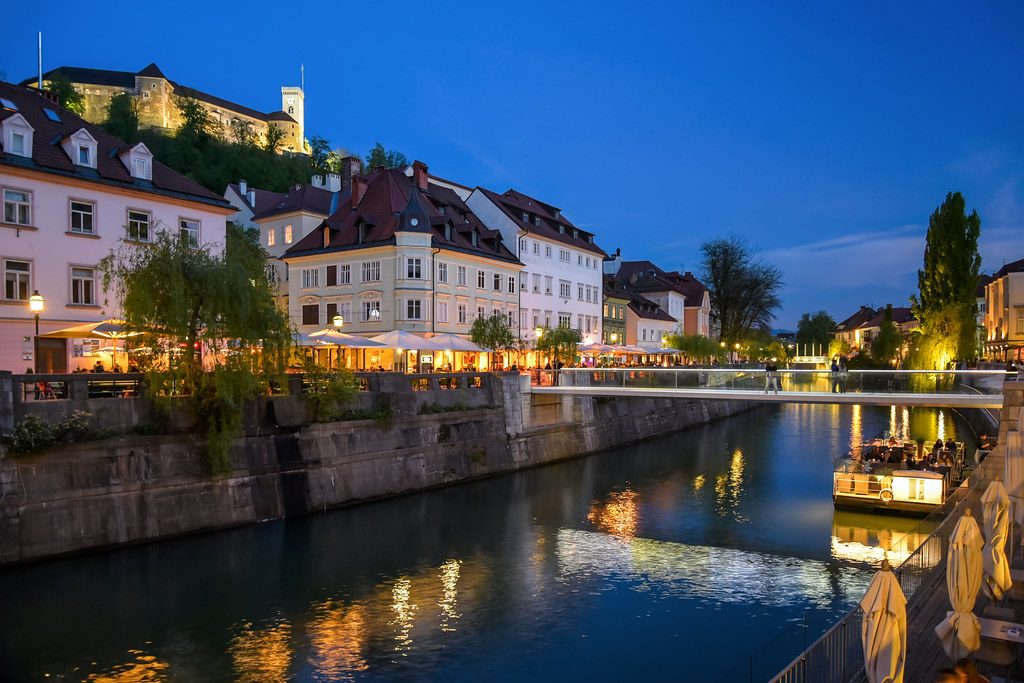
x=72 y=194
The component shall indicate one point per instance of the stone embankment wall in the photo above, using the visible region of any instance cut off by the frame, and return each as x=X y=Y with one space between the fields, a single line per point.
x=141 y=488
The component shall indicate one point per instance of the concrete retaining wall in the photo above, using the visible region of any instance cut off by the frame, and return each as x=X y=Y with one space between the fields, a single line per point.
x=136 y=489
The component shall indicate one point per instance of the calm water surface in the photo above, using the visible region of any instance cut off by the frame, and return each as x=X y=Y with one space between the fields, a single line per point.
x=676 y=559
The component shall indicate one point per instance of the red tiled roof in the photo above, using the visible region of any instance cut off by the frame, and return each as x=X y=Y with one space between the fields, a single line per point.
x=639 y=304
x=389 y=193
x=48 y=155
x=1012 y=267
x=644 y=276
x=300 y=198
x=514 y=203
x=900 y=315
x=264 y=198
x=857 y=319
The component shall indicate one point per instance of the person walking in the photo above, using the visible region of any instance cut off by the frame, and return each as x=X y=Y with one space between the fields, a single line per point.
x=834 y=371
x=844 y=374
x=771 y=377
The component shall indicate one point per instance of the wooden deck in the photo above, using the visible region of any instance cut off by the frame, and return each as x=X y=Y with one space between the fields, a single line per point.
x=924 y=652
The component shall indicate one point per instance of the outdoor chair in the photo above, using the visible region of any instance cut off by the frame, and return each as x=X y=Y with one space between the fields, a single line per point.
x=997 y=654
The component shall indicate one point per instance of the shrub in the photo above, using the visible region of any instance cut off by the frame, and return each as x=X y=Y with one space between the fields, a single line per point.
x=31 y=434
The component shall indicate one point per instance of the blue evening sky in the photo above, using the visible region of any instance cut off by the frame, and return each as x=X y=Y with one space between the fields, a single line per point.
x=825 y=133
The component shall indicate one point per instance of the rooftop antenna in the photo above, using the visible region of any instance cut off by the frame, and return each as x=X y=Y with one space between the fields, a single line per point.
x=40 y=51
x=302 y=76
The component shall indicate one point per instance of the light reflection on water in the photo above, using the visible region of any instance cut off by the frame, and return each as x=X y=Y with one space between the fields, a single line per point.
x=692 y=547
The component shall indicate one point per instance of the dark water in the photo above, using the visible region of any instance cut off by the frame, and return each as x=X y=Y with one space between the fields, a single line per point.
x=677 y=559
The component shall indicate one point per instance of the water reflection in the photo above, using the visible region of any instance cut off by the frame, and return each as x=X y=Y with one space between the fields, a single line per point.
x=143 y=668
x=405 y=612
x=449 y=601
x=856 y=430
x=261 y=655
x=337 y=638
x=617 y=515
x=858 y=537
x=729 y=486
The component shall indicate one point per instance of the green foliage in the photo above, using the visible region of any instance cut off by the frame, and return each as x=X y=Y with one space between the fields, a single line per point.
x=67 y=95
x=948 y=282
x=197 y=123
x=936 y=343
x=815 y=328
x=744 y=291
x=561 y=343
x=319 y=153
x=695 y=347
x=887 y=346
x=275 y=136
x=839 y=347
x=493 y=332
x=381 y=158
x=328 y=391
x=30 y=435
x=243 y=133
x=123 y=118
x=183 y=299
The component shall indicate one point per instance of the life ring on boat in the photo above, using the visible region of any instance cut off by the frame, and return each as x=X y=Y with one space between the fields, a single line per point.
x=885 y=495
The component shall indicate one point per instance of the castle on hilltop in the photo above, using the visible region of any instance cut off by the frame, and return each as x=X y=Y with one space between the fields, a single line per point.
x=155 y=93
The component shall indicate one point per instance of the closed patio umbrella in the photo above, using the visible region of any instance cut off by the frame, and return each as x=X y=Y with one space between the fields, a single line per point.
x=883 y=630
x=995 y=510
x=960 y=632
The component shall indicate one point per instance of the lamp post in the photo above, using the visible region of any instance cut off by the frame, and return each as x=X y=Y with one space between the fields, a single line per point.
x=538 y=332
x=338 y=321
x=35 y=304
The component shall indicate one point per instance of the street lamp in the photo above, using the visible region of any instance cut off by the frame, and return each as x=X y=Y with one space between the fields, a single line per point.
x=35 y=304
x=539 y=332
x=614 y=337
x=338 y=321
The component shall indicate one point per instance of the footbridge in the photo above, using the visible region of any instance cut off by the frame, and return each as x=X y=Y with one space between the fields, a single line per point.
x=945 y=389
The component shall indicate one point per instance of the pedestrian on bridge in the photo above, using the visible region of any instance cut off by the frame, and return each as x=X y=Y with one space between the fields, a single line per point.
x=771 y=377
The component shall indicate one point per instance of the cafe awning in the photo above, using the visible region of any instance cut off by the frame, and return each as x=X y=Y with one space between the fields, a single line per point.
x=105 y=329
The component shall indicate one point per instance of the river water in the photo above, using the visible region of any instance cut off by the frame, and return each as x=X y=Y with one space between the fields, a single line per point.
x=688 y=557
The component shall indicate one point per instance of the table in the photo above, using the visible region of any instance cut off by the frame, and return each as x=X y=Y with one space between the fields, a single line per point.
x=997 y=629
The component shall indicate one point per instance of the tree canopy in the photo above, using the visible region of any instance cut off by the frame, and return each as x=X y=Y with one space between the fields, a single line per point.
x=68 y=97
x=815 y=328
x=695 y=347
x=744 y=290
x=887 y=346
x=946 y=304
x=382 y=158
x=561 y=343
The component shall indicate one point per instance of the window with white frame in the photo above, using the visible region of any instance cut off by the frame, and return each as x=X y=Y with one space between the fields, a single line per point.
x=564 y=255
x=547 y=251
x=536 y=283
x=271 y=236
x=371 y=271
x=142 y=168
x=588 y=294
x=522 y=245
x=588 y=262
x=497 y=282
x=189 y=231
x=548 y=283
x=83 y=286
x=462 y=313
x=481 y=279
x=138 y=225
x=511 y=317
x=442 y=311
x=82 y=214
x=579 y=291
x=17 y=280
x=460 y=275
x=511 y=284
x=523 y=318
x=370 y=310
x=414 y=268
x=84 y=155
x=564 y=319
x=1020 y=321
x=345 y=274
x=18 y=144
x=564 y=289
x=17 y=207
x=442 y=271
x=414 y=309
x=481 y=312
x=287 y=234
x=536 y=247
x=310 y=278
x=579 y=259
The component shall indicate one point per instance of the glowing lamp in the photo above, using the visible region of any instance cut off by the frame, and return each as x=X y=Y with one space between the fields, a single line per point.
x=35 y=302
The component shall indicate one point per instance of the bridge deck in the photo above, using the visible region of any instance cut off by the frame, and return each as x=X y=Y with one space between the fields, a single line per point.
x=944 y=400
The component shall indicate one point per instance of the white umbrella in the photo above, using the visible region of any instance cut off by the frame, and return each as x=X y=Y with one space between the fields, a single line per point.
x=399 y=339
x=960 y=632
x=594 y=347
x=884 y=628
x=995 y=510
x=453 y=342
x=336 y=338
x=105 y=329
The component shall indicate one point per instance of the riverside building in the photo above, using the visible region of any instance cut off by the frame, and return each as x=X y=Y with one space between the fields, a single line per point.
x=72 y=193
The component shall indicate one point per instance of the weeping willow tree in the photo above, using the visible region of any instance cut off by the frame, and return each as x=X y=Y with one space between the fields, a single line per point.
x=561 y=343
x=210 y=318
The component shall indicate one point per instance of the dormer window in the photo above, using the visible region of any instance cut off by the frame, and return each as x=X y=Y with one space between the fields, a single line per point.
x=139 y=161
x=17 y=136
x=575 y=233
x=80 y=147
x=561 y=229
x=526 y=217
x=443 y=209
x=475 y=239
x=536 y=221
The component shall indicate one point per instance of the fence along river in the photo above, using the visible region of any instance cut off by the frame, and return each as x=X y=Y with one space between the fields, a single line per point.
x=692 y=555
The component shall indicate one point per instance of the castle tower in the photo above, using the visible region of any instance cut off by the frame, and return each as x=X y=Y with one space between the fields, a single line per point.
x=293 y=103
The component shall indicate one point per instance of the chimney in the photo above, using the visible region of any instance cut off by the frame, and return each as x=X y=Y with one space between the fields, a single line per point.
x=419 y=175
x=252 y=198
x=610 y=266
x=350 y=166
x=317 y=181
x=688 y=275
x=333 y=182
x=358 y=189
x=243 y=187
